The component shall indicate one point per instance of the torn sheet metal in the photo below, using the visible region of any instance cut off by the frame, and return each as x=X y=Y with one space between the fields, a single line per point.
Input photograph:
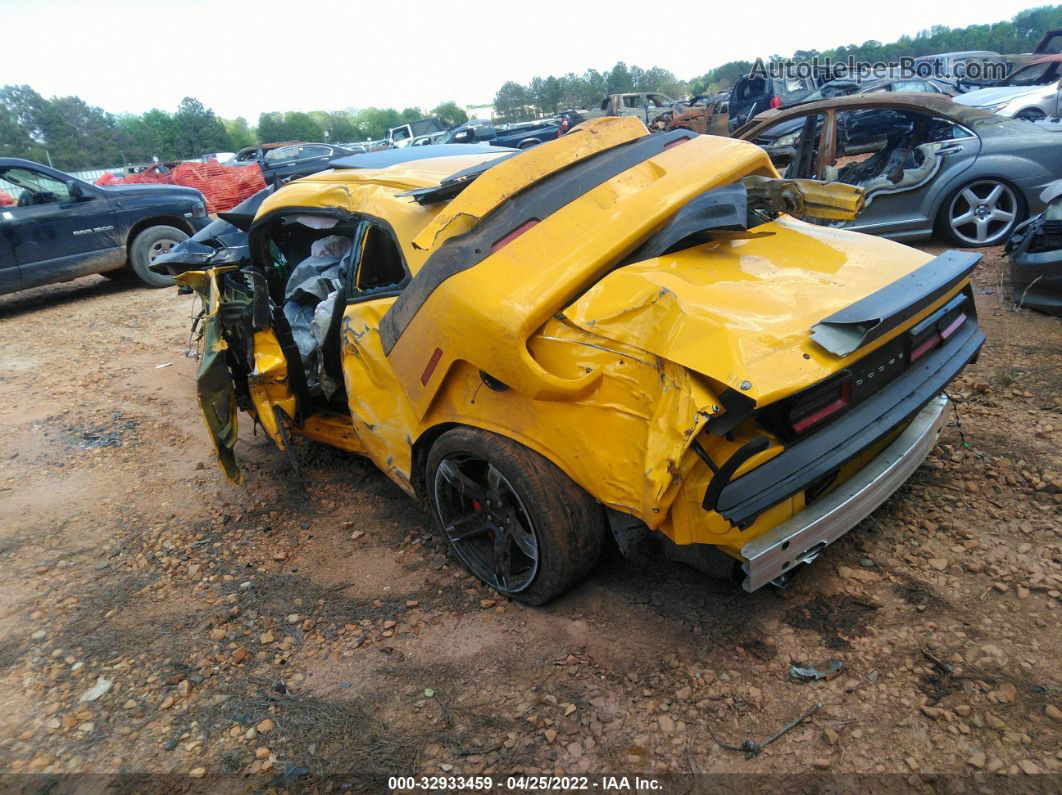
x=217 y=395
x=805 y=198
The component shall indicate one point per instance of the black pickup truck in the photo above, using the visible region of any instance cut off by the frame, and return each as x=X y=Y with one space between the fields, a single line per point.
x=55 y=227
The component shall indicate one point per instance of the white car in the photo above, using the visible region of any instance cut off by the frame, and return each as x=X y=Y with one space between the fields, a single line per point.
x=1033 y=92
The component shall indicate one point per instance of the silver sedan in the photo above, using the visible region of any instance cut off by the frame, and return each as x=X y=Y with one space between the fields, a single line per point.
x=1033 y=93
x=927 y=165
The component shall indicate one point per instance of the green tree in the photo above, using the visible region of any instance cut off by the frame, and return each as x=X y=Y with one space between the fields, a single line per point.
x=341 y=128
x=23 y=108
x=373 y=123
x=619 y=80
x=15 y=140
x=302 y=127
x=154 y=135
x=197 y=130
x=450 y=113
x=271 y=127
x=240 y=134
x=512 y=102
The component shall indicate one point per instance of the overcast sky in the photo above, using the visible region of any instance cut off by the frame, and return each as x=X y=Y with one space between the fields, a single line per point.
x=248 y=56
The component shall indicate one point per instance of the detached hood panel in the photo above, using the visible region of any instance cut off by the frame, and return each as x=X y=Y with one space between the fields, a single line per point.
x=743 y=310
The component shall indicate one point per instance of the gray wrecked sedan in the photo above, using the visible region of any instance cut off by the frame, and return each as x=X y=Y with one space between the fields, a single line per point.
x=1035 y=254
x=926 y=164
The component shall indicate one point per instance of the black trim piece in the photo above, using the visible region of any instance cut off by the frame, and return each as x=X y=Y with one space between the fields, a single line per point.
x=730 y=466
x=296 y=375
x=719 y=209
x=741 y=500
x=703 y=455
x=260 y=298
x=536 y=202
x=455 y=183
x=870 y=318
x=738 y=409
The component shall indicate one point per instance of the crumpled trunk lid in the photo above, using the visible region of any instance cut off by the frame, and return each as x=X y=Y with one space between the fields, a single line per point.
x=741 y=311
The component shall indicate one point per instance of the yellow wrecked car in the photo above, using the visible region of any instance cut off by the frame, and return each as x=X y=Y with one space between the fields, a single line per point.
x=611 y=332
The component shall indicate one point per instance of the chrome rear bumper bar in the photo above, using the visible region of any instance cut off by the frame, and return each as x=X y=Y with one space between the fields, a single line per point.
x=802 y=538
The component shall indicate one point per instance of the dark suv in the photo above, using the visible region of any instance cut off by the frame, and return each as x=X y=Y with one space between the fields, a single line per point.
x=753 y=94
x=55 y=227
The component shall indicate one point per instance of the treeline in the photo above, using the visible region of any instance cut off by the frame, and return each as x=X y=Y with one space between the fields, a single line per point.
x=547 y=95
x=73 y=135
x=1019 y=35
x=544 y=96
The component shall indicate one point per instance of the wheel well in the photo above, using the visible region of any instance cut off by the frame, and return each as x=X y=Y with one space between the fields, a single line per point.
x=1033 y=108
x=421 y=448
x=527 y=143
x=164 y=220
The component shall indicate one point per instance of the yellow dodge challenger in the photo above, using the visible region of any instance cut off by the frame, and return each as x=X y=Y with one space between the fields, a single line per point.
x=613 y=332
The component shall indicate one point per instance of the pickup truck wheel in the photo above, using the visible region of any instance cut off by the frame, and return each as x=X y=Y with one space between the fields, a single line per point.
x=513 y=518
x=150 y=243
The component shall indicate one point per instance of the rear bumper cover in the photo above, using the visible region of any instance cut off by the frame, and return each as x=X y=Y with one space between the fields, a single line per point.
x=743 y=499
x=802 y=538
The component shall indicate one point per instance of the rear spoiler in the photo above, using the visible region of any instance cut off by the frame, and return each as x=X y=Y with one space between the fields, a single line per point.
x=869 y=318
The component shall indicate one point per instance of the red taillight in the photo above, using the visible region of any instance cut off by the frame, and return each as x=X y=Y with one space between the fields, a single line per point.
x=509 y=238
x=936 y=337
x=953 y=326
x=925 y=346
x=776 y=102
x=821 y=407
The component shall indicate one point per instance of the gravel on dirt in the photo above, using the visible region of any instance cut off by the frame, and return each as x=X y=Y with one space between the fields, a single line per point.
x=157 y=619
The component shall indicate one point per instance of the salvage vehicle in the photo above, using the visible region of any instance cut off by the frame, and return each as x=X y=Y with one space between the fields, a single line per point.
x=954 y=65
x=1035 y=254
x=611 y=331
x=1032 y=93
x=753 y=94
x=404 y=134
x=640 y=105
x=926 y=164
x=483 y=131
x=257 y=153
x=299 y=160
x=705 y=115
x=60 y=227
x=907 y=85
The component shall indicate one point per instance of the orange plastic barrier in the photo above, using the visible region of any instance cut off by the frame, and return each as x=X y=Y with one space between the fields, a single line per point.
x=223 y=187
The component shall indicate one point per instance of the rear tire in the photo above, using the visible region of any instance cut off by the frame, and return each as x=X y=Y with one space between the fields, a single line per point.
x=515 y=520
x=150 y=243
